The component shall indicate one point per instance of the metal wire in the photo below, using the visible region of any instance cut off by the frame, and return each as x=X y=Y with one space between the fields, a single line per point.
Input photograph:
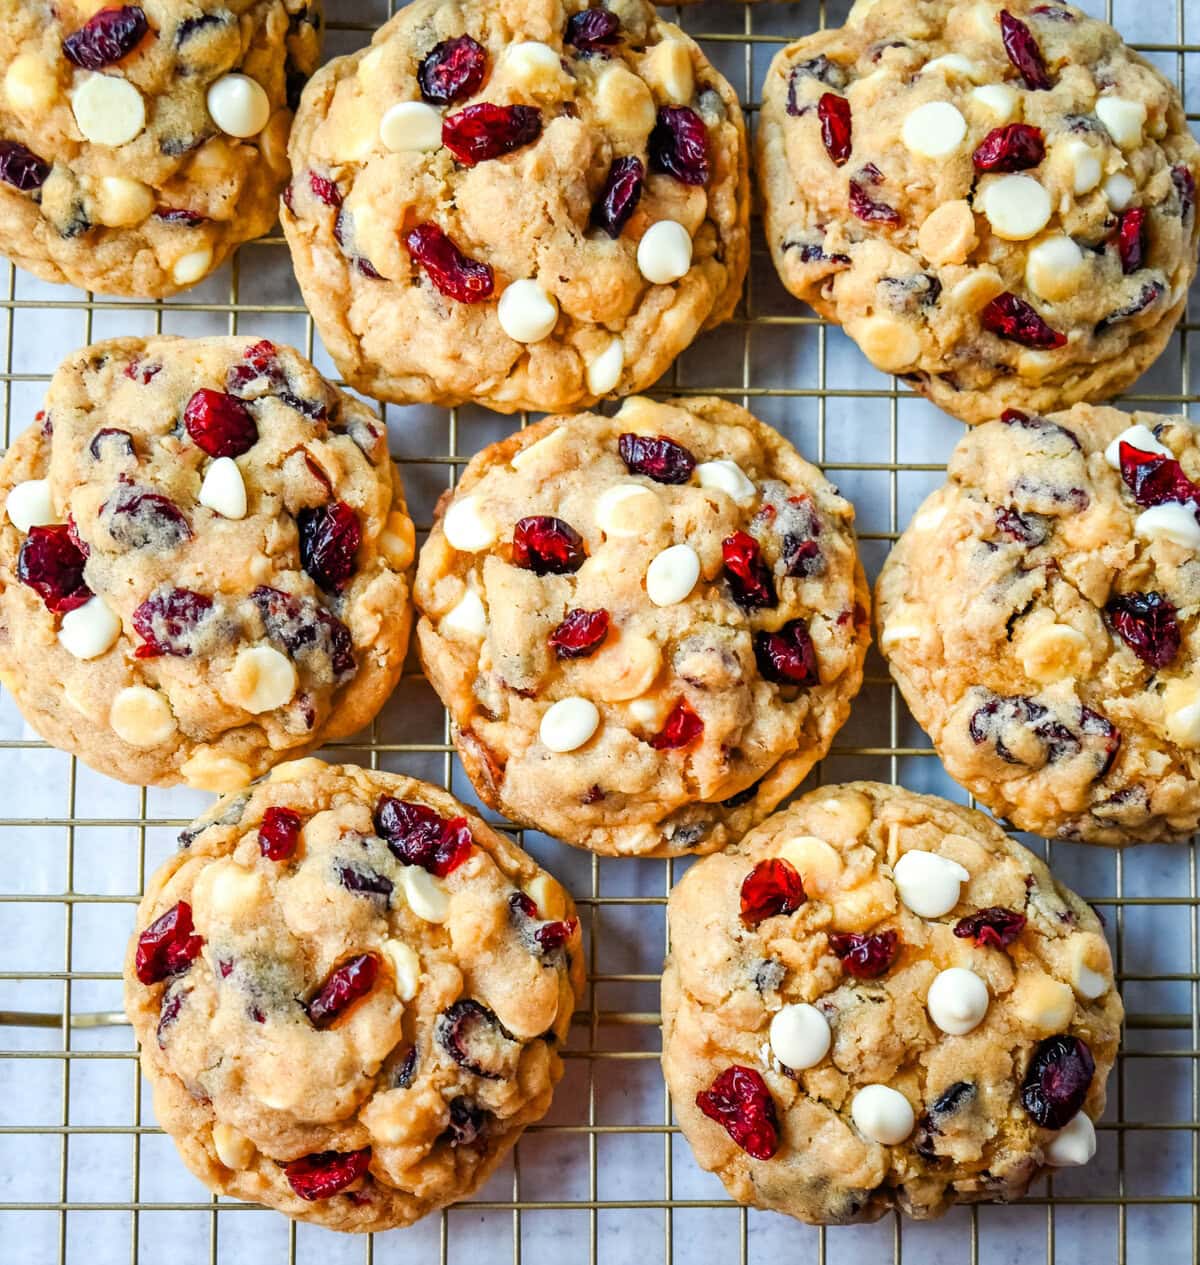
x=60 y=1054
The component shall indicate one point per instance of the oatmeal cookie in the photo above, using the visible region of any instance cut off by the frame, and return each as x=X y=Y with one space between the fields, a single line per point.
x=203 y=561
x=879 y=1000
x=531 y=205
x=349 y=994
x=647 y=628
x=997 y=203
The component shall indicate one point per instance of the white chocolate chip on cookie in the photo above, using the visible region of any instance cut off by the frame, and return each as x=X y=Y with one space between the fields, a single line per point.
x=527 y=314
x=667 y=68
x=1074 y=1144
x=604 y=369
x=672 y=575
x=467 y=525
x=141 y=717
x=90 y=630
x=882 y=1114
x=888 y=343
x=665 y=252
x=957 y=1000
x=1055 y=269
x=411 y=126
x=224 y=490
x=233 y=1148
x=947 y=235
x=261 y=679
x=1123 y=119
x=466 y=620
x=1173 y=521
x=933 y=130
x=800 y=1036
x=628 y=509
x=929 y=884
x=29 y=505
x=108 y=110
x=238 y=105
x=568 y=724
x=726 y=476
x=997 y=100
x=1017 y=207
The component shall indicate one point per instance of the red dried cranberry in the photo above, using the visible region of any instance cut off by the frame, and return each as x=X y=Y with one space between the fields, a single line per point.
x=21 y=167
x=179 y=215
x=1185 y=187
x=417 y=835
x=326 y=1173
x=1147 y=624
x=1017 y=526
x=1023 y=51
x=453 y=70
x=484 y=131
x=524 y=904
x=467 y=1121
x=1131 y=239
x=1154 y=478
x=750 y=582
x=1014 y=147
x=1012 y=318
x=660 y=459
x=344 y=985
x=165 y=619
x=678 y=145
x=329 y=539
x=621 y=193
x=279 y=833
x=303 y=626
x=773 y=887
x=324 y=189
x=219 y=424
x=580 y=634
x=1057 y=1082
x=865 y=956
x=681 y=729
x=834 y=113
x=138 y=371
x=115 y=439
x=475 y=1039
x=106 y=37
x=787 y=657
x=547 y=936
x=167 y=946
x=547 y=546
x=593 y=30
x=739 y=1101
x=995 y=926
x=1147 y=296
x=364 y=881
x=456 y=276
x=51 y=563
x=168 y=1012
x=138 y=518
x=868 y=209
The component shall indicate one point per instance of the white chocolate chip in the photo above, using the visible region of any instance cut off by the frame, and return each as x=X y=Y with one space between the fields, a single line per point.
x=536 y=67
x=929 y=884
x=665 y=252
x=406 y=967
x=123 y=202
x=1017 y=207
x=1074 y=1144
x=998 y=99
x=882 y=1114
x=411 y=125
x=141 y=716
x=728 y=477
x=89 y=630
x=526 y=312
x=1079 y=162
x=1123 y=119
x=889 y=344
x=1140 y=437
x=30 y=85
x=623 y=103
x=29 y=505
x=466 y=620
x=261 y=679
x=667 y=68
x=952 y=65
x=1042 y=1003
x=896 y=631
x=627 y=509
x=233 y=891
x=468 y=528
x=604 y=370
x=930 y=519
x=239 y=105
x=1173 y=521
x=933 y=130
x=957 y=1000
x=568 y=724
x=818 y=863
x=799 y=1036
x=1181 y=705
x=224 y=490
x=190 y=268
x=544 y=449
x=624 y=668
x=1053 y=652
x=1090 y=984
x=426 y=894
x=108 y=110
x=210 y=770
x=1119 y=190
x=296 y=770
x=233 y=1148
x=1086 y=953
x=548 y=896
x=1055 y=269
x=672 y=575
x=947 y=234
x=397 y=541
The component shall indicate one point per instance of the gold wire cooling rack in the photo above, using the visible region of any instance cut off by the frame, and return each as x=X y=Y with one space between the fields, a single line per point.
x=605 y=1178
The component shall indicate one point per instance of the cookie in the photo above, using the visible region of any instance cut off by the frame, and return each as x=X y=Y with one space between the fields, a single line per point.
x=647 y=628
x=350 y=995
x=879 y=1000
x=140 y=144
x=1039 y=617
x=997 y=203
x=529 y=205
x=203 y=561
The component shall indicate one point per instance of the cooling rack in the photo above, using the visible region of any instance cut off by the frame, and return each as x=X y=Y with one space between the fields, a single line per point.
x=85 y=1174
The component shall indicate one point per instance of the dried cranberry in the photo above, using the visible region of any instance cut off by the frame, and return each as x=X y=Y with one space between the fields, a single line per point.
x=1154 y=478
x=326 y=1173
x=1014 y=147
x=750 y=582
x=592 y=30
x=417 y=835
x=168 y=1012
x=868 y=209
x=279 y=833
x=1147 y=624
x=553 y=935
x=113 y=438
x=951 y=1100
x=834 y=113
x=581 y=634
x=344 y=985
x=1012 y=318
x=545 y=936
x=995 y=926
x=1017 y=526
x=547 y=546
x=1185 y=187
x=801 y=558
x=1023 y=51
x=1131 y=239
x=454 y=275
x=658 y=458
x=138 y=518
x=678 y=145
x=138 y=371
x=219 y=424
x=773 y=887
x=1057 y=1082
x=106 y=37
x=681 y=729
x=739 y=1101
x=21 y=167
x=166 y=618
x=364 y=881
x=167 y=946
x=787 y=657
x=484 y=131
x=51 y=563
x=621 y=193
x=180 y=215
x=453 y=70
x=467 y=1121
x=324 y=189
x=303 y=627
x=329 y=539
x=402 y=1077
x=475 y=1039
x=1146 y=297
x=865 y=956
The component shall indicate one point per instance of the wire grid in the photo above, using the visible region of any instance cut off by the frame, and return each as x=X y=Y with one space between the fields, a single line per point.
x=606 y=1177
